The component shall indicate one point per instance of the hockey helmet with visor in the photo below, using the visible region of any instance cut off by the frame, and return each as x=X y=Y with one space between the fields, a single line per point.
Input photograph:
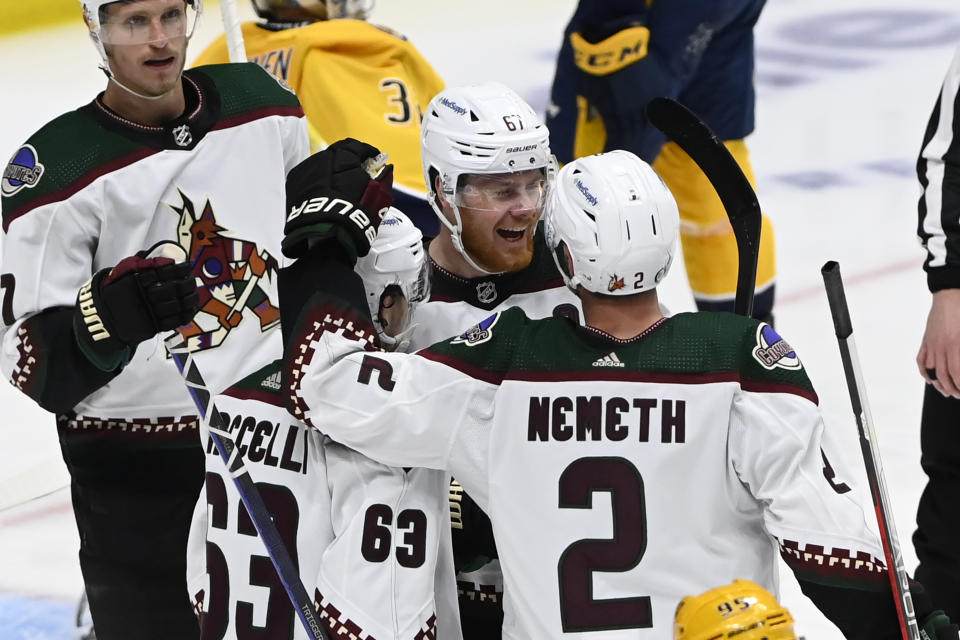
x=396 y=277
x=483 y=148
x=136 y=22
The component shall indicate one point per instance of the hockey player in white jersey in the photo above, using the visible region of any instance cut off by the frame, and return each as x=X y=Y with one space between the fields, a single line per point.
x=487 y=160
x=356 y=529
x=188 y=164
x=579 y=441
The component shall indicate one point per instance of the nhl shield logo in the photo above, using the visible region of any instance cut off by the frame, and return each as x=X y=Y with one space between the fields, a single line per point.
x=182 y=135
x=23 y=171
x=772 y=351
x=478 y=333
x=486 y=292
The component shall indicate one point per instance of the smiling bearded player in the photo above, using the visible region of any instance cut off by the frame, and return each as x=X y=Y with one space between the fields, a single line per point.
x=487 y=161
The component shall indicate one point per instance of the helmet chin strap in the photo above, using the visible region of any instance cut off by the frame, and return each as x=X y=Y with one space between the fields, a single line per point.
x=106 y=70
x=400 y=342
x=105 y=67
x=454 y=229
x=457 y=235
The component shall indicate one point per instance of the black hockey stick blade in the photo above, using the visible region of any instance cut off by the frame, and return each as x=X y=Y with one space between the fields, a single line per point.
x=739 y=199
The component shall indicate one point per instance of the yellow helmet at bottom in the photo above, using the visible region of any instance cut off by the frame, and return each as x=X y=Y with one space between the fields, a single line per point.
x=742 y=610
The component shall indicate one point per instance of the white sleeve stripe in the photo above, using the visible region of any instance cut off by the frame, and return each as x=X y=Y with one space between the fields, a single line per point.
x=933 y=168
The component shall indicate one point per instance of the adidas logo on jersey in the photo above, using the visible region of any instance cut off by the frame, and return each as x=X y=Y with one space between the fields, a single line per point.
x=273 y=382
x=610 y=360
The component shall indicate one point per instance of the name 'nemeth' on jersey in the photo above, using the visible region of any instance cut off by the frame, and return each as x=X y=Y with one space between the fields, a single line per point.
x=592 y=418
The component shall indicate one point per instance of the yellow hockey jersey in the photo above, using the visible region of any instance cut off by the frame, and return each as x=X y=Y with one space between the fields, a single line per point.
x=354 y=79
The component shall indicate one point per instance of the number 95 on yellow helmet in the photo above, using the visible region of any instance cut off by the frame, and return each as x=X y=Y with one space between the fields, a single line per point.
x=743 y=610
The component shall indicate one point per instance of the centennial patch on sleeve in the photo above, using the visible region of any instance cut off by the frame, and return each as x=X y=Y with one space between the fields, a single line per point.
x=478 y=333
x=773 y=351
x=23 y=170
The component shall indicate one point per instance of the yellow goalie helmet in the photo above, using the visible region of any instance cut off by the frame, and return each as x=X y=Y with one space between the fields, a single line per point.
x=743 y=610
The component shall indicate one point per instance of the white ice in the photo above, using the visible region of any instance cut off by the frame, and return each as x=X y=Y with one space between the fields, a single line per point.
x=844 y=92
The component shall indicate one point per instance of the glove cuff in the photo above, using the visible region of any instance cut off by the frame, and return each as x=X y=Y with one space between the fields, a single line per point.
x=302 y=241
x=104 y=350
x=612 y=54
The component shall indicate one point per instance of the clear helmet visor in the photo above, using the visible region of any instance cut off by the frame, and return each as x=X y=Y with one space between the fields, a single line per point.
x=136 y=23
x=523 y=190
x=396 y=304
x=400 y=292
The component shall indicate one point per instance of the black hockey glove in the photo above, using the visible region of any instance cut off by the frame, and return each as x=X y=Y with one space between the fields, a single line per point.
x=119 y=308
x=934 y=624
x=338 y=194
x=937 y=626
x=616 y=77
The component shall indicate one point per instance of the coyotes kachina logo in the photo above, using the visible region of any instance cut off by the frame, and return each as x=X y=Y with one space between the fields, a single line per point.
x=229 y=272
x=616 y=282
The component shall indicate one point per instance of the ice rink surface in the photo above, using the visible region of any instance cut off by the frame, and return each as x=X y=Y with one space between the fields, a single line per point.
x=844 y=92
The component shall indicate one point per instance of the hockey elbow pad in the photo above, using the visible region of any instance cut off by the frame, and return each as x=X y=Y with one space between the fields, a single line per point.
x=119 y=308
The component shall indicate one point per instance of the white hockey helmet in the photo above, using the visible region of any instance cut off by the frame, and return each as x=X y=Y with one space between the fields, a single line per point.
x=308 y=10
x=397 y=261
x=106 y=33
x=617 y=219
x=479 y=129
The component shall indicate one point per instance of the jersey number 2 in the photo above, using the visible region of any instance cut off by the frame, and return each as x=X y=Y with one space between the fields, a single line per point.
x=579 y=610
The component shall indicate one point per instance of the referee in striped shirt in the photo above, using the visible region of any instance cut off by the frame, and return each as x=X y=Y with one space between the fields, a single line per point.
x=938 y=515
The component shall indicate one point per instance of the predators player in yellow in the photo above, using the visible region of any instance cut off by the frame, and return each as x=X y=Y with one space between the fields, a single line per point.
x=619 y=54
x=743 y=610
x=354 y=79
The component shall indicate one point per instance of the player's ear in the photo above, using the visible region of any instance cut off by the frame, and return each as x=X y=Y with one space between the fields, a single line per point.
x=445 y=205
x=438 y=189
x=567 y=258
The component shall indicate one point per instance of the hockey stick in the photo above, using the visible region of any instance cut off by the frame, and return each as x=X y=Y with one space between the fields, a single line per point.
x=739 y=199
x=38 y=481
x=231 y=28
x=249 y=494
x=871 y=452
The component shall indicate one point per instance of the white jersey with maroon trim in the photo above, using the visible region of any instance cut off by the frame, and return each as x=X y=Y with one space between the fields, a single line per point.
x=584 y=458
x=358 y=531
x=457 y=303
x=230 y=577
x=101 y=188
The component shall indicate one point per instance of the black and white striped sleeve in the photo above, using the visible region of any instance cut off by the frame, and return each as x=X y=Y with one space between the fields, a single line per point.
x=938 y=169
